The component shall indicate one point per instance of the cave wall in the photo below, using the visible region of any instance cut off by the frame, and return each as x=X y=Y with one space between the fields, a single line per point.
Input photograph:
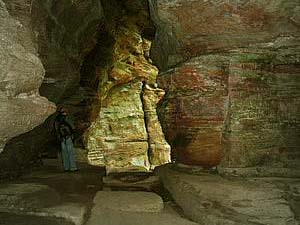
x=73 y=41
x=126 y=134
x=48 y=42
x=231 y=75
x=230 y=70
x=66 y=32
x=21 y=74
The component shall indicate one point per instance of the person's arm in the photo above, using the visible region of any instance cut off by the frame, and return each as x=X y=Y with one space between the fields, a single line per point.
x=71 y=129
x=55 y=127
x=54 y=124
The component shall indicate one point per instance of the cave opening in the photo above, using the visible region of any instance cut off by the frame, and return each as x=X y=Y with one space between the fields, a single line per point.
x=97 y=62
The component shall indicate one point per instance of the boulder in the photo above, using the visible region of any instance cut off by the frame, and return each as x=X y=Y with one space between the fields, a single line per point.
x=21 y=75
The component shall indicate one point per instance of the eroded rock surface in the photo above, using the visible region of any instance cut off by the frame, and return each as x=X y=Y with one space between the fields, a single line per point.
x=194 y=110
x=128 y=201
x=21 y=74
x=132 y=208
x=192 y=27
x=238 y=105
x=26 y=197
x=126 y=129
x=211 y=199
x=232 y=88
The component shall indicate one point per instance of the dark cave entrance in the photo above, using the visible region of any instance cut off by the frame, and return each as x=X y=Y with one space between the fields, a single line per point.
x=97 y=62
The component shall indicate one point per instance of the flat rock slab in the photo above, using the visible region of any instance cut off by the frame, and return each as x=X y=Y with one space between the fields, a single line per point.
x=132 y=182
x=109 y=217
x=30 y=200
x=128 y=201
x=215 y=200
x=15 y=219
x=27 y=197
x=132 y=208
x=70 y=212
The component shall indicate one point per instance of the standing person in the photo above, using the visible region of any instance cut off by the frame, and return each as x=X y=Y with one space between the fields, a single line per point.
x=64 y=133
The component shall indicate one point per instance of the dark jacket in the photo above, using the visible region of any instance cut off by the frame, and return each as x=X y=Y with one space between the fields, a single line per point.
x=62 y=128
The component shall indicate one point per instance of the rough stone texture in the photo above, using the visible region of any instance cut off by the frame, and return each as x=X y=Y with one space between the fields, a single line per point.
x=66 y=32
x=132 y=182
x=126 y=130
x=21 y=74
x=133 y=218
x=194 y=27
x=210 y=199
x=49 y=197
x=132 y=208
x=194 y=110
x=62 y=41
x=244 y=102
x=119 y=136
x=76 y=46
x=232 y=91
x=9 y=218
x=26 y=197
x=262 y=126
x=232 y=88
x=72 y=212
x=128 y=201
x=159 y=149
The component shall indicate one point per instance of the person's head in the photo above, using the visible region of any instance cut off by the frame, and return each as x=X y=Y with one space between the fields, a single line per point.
x=62 y=111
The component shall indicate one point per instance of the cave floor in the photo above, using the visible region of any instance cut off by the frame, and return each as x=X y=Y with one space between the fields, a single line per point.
x=210 y=198
x=49 y=196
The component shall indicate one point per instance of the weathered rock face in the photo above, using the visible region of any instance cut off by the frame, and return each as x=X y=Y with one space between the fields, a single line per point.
x=159 y=150
x=127 y=129
x=211 y=199
x=62 y=40
x=119 y=137
x=230 y=69
x=194 y=110
x=21 y=74
x=262 y=123
x=66 y=32
x=199 y=27
x=78 y=53
x=233 y=96
x=243 y=105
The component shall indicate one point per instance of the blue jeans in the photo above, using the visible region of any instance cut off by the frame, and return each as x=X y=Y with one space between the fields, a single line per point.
x=68 y=154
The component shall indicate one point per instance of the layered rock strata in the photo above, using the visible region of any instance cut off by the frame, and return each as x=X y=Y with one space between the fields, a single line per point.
x=232 y=88
x=241 y=106
x=126 y=134
x=232 y=81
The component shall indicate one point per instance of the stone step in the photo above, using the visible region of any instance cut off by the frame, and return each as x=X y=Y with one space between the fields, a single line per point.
x=142 y=182
x=128 y=201
x=132 y=208
x=38 y=200
x=108 y=217
x=26 y=197
x=211 y=199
